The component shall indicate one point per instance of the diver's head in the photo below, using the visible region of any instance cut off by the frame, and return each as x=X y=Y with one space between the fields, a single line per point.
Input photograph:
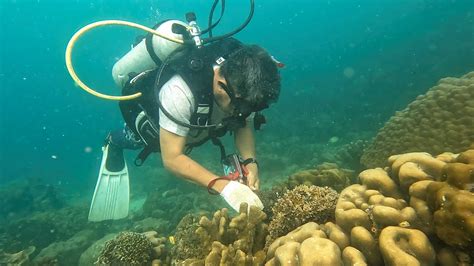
x=248 y=81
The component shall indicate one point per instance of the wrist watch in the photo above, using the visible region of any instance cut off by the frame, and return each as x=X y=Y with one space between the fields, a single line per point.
x=249 y=161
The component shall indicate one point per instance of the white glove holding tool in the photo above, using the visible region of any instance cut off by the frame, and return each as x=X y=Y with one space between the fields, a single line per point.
x=236 y=193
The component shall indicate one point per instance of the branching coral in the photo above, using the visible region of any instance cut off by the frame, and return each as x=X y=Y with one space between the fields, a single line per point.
x=270 y=197
x=226 y=241
x=301 y=205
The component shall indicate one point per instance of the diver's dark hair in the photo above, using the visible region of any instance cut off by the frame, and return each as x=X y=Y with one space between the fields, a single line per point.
x=253 y=74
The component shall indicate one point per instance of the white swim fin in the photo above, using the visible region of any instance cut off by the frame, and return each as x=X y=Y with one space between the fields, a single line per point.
x=112 y=192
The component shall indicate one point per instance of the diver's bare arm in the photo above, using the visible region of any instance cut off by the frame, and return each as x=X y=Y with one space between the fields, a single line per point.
x=245 y=141
x=175 y=161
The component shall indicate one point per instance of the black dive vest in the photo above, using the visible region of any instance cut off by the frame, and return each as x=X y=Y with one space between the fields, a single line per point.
x=195 y=66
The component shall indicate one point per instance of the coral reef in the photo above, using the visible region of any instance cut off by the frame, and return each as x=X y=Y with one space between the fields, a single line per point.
x=186 y=239
x=160 y=252
x=40 y=229
x=417 y=211
x=348 y=156
x=127 y=248
x=304 y=245
x=161 y=204
x=301 y=205
x=270 y=196
x=324 y=175
x=402 y=246
x=23 y=197
x=65 y=252
x=90 y=255
x=19 y=258
x=441 y=120
x=225 y=241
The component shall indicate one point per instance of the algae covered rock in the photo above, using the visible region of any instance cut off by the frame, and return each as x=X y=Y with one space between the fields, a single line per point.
x=66 y=252
x=18 y=258
x=90 y=255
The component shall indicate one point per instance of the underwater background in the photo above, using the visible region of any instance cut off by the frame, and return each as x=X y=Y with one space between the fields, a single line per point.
x=350 y=65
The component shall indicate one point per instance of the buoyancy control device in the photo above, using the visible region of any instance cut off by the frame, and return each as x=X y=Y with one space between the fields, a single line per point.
x=164 y=35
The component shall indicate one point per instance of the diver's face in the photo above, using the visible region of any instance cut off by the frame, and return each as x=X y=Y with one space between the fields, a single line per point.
x=220 y=95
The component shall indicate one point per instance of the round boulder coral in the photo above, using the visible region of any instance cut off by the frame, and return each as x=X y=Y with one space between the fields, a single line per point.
x=301 y=205
x=440 y=120
x=127 y=248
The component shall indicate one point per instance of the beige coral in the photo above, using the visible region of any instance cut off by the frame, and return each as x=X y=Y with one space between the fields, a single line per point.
x=352 y=256
x=235 y=241
x=359 y=206
x=375 y=225
x=326 y=174
x=366 y=243
x=418 y=201
x=440 y=193
x=441 y=120
x=301 y=233
x=379 y=180
x=304 y=246
x=412 y=167
x=401 y=246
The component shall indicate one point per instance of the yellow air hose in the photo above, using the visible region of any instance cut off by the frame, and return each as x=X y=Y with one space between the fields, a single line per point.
x=79 y=33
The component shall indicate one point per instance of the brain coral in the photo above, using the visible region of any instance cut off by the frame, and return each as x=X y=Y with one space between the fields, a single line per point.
x=301 y=205
x=440 y=120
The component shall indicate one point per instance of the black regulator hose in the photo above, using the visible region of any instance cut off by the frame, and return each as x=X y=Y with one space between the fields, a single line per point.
x=247 y=21
x=211 y=16
x=207 y=40
x=217 y=38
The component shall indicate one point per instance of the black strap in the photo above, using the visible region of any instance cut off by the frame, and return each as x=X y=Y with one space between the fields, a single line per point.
x=218 y=143
x=150 y=50
x=249 y=161
x=149 y=45
x=141 y=157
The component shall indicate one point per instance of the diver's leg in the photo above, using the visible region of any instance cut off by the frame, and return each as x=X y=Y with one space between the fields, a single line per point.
x=125 y=139
x=112 y=193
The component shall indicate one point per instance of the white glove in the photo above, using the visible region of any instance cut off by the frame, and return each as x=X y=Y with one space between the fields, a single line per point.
x=236 y=193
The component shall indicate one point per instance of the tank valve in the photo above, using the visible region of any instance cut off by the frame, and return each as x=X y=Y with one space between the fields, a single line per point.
x=194 y=28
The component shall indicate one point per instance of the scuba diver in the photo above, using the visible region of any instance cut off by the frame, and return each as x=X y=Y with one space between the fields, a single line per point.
x=190 y=94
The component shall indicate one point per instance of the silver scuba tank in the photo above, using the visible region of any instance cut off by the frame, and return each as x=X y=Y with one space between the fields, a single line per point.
x=138 y=59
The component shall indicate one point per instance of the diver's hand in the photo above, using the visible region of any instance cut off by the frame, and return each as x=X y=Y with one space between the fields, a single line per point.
x=236 y=193
x=252 y=177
